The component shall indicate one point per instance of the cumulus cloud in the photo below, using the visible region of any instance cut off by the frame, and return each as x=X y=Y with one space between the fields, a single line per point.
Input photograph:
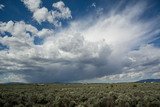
x=113 y=47
x=21 y=38
x=45 y=33
x=41 y=14
x=32 y=5
x=59 y=58
x=64 y=12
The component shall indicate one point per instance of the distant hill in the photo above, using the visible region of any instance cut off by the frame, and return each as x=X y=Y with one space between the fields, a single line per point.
x=12 y=83
x=149 y=80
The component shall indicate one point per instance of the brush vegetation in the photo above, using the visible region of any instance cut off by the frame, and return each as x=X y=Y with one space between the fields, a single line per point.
x=80 y=95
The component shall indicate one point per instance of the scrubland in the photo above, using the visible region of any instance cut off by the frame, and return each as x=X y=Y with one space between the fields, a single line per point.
x=80 y=95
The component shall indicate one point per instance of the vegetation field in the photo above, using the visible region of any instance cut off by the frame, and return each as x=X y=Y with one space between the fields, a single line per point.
x=80 y=95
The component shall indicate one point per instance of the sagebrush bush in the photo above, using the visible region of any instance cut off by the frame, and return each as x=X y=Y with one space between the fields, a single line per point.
x=81 y=95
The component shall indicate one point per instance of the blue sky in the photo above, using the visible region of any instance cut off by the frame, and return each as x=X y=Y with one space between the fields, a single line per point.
x=79 y=40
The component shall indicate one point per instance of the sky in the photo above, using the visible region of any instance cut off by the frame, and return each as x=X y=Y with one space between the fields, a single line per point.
x=94 y=41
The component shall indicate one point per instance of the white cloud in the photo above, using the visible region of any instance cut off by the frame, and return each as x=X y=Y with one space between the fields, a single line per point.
x=144 y=63
x=32 y=5
x=20 y=39
x=1 y=6
x=11 y=77
x=123 y=77
x=146 y=60
x=41 y=14
x=45 y=33
x=156 y=75
x=64 y=13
